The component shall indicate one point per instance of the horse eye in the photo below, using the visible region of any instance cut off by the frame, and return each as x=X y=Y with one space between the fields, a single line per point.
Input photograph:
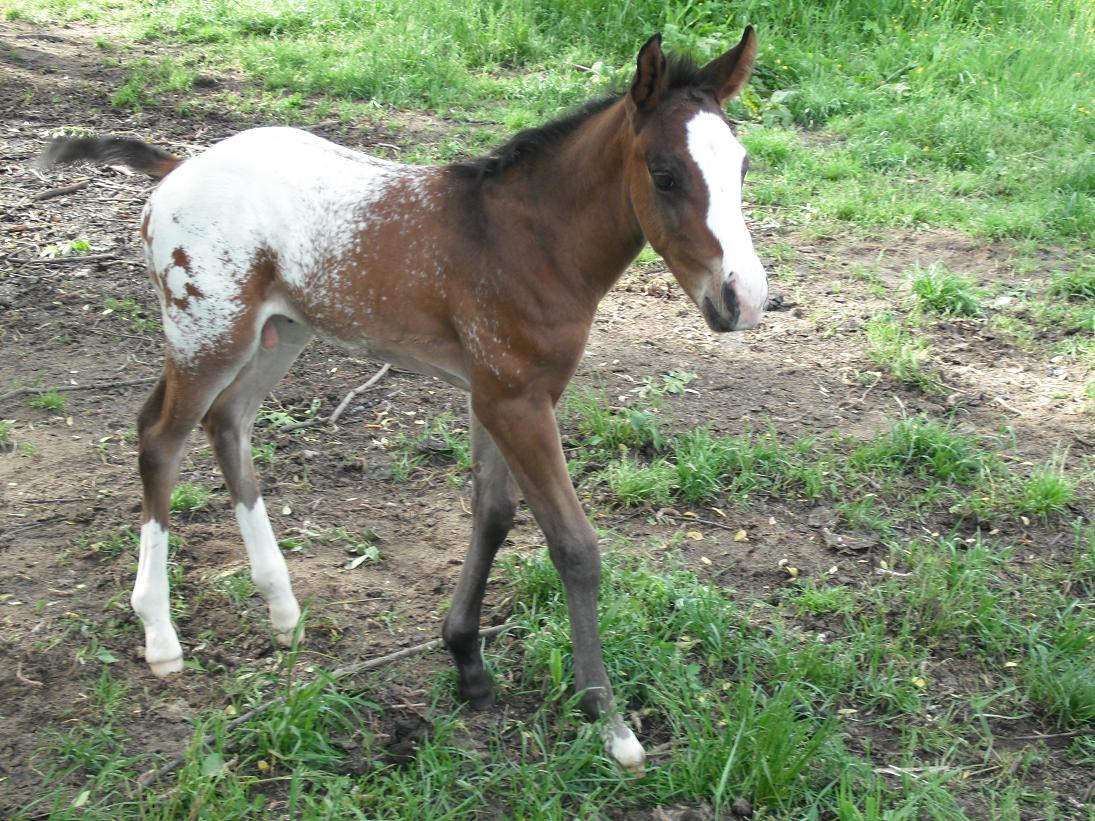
x=663 y=180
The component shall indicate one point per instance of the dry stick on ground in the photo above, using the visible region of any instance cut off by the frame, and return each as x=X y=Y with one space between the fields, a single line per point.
x=330 y=420
x=696 y=520
x=59 y=192
x=1040 y=736
x=75 y=258
x=152 y=776
x=90 y=387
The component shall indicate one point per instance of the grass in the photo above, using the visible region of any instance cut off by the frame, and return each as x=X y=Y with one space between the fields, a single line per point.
x=903 y=353
x=189 y=497
x=943 y=292
x=766 y=711
x=130 y=311
x=918 y=464
x=440 y=440
x=50 y=401
x=886 y=694
x=947 y=100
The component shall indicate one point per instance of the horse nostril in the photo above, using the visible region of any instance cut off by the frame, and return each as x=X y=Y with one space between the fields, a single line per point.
x=729 y=297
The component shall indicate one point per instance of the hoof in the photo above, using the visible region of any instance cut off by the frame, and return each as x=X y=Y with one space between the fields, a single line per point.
x=162 y=669
x=621 y=744
x=480 y=702
x=477 y=690
x=285 y=639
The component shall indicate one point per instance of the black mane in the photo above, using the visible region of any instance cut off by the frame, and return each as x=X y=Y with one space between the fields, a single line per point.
x=683 y=72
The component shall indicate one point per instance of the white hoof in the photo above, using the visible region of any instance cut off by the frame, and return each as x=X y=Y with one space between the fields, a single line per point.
x=162 y=669
x=621 y=744
x=285 y=618
x=285 y=639
x=162 y=652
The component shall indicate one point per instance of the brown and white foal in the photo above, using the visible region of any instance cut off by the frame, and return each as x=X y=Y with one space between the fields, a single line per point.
x=485 y=274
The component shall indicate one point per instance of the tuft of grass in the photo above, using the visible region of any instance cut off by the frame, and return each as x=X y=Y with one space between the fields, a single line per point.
x=633 y=484
x=147 y=79
x=925 y=448
x=816 y=599
x=50 y=401
x=943 y=292
x=903 y=354
x=236 y=586
x=441 y=440
x=189 y=497
x=608 y=429
x=1057 y=672
x=263 y=454
x=130 y=310
x=1076 y=285
x=1047 y=490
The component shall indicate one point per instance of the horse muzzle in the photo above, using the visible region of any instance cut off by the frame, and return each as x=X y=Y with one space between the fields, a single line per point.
x=733 y=310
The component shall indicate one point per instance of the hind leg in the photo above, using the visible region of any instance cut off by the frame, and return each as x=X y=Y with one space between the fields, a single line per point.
x=172 y=410
x=228 y=426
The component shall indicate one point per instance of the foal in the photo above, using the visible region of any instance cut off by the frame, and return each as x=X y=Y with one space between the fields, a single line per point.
x=485 y=274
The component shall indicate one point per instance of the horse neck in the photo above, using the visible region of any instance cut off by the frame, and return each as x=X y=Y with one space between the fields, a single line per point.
x=580 y=192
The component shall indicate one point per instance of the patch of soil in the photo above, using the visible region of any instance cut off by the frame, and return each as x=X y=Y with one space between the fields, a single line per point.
x=70 y=479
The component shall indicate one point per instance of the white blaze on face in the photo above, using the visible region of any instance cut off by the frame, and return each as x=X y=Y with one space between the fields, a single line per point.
x=719 y=157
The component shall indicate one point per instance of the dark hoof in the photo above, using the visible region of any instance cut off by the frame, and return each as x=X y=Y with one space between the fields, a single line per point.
x=479 y=695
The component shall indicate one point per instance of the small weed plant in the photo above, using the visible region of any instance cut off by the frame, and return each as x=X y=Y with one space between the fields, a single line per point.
x=902 y=353
x=53 y=401
x=189 y=497
x=943 y=292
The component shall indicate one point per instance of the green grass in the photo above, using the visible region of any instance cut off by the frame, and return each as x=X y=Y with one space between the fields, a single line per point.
x=946 y=112
x=440 y=440
x=130 y=311
x=146 y=80
x=749 y=704
x=189 y=497
x=943 y=292
x=50 y=401
x=1076 y=285
x=903 y=353
x=881 y=696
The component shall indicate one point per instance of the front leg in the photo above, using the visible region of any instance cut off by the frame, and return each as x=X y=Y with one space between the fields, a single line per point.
x=527 y=434
x=494 y=501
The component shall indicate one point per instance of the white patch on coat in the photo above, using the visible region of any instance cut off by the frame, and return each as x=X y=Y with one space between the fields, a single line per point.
x=151 y=602
x=267 y=190
x=719 y=156
x=268 y=569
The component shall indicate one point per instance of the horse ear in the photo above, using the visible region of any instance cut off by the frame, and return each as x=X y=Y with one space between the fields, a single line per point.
x=725 y=76
x=651 y=75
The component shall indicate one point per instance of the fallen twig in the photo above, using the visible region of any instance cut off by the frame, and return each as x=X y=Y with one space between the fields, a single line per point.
x=697 y=520
x=376 y=377
x=59 y=192
x=152 y=776
x=330 y=420
x=19 y=676
x=42 y=523
x=1041 y=736
x=64 y=260
x=89 y=387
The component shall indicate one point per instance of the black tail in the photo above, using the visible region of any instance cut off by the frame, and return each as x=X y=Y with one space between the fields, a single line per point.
x=137 y=155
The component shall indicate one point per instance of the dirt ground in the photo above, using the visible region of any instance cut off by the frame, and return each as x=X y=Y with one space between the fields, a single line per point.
x=71 y=478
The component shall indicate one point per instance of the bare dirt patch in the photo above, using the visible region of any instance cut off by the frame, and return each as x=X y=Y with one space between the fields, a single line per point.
x=69 y=480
